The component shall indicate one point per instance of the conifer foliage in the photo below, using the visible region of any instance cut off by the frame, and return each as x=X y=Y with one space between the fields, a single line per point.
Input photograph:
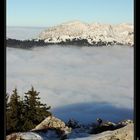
x=24 y=114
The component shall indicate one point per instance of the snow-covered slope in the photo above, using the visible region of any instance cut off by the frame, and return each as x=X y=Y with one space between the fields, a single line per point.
x=94 y=33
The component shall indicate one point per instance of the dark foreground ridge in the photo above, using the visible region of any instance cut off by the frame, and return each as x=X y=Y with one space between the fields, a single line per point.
x=54 y=128
x=27 y=44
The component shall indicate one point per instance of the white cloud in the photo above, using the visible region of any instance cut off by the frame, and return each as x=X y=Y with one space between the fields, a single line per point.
x=73 y=75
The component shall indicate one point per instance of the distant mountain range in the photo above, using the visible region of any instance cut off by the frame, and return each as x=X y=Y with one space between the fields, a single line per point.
x=79 y=33
x=90 y=34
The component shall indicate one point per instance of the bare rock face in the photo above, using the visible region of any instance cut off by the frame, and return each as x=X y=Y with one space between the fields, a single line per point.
x=125 y=133
x=24 y=136
x=104 y=126
x=52 y=122
x=12 y=136
x=125 y=122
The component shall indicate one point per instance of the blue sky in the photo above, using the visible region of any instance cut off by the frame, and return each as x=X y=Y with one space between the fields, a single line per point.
x=44 y=13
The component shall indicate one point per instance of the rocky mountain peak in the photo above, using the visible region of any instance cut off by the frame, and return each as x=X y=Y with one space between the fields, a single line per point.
x=93 y=34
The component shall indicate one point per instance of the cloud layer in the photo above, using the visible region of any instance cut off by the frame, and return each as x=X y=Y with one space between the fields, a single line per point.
x=72 y=75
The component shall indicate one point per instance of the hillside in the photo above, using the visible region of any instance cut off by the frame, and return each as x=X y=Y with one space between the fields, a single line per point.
x=76 y=32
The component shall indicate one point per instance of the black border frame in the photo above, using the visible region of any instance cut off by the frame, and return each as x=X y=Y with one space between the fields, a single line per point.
x=2 y=69
x=136 y=123
x=3 y=73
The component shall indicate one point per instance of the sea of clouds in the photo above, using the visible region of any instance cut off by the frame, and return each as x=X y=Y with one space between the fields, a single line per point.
x=78 y=82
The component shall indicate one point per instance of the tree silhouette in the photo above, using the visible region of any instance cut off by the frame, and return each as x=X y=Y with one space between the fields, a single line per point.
x=24 y=115
x=34 y=110
x=14 y=113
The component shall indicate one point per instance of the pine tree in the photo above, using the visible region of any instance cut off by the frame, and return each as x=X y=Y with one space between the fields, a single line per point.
x=34 y=110
x=14 y=113
x=23 y=115
x=6 y=101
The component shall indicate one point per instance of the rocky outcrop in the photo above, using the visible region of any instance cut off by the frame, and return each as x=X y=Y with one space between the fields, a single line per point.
x=125 y=133
x=12 y=136
x=106 y=125
x=52 y=122
x=24 y=136
x=54 y=128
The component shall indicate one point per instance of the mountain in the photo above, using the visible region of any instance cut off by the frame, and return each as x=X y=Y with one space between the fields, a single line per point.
x=76 y=32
